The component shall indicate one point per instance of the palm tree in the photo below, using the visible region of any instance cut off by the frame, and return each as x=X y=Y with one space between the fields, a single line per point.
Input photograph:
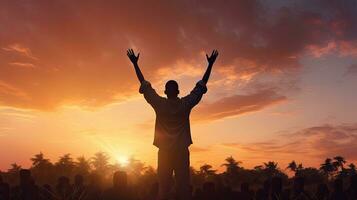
x=351 y=169
x=100 y=162
x=328 y=167
x=232 y=173
x=193 y=171
x=65 y=164
x=299 y=167
x=232 y=166
x=292 y=166
x=82 y=165
x=339 y=162
x=150 y=171
x=66 y=159
x=15 y=168
x=42 y=168
x=258 y=168
x=271 y=168
x=136 y=167
x=39 y=161
x=271 y=165
x=207 y=171
x=311 y=175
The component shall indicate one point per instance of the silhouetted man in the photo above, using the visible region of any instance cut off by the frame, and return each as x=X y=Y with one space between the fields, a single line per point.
x=322 y=192
x=172 y=127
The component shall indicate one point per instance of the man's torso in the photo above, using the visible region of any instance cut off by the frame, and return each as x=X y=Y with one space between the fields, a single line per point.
x=172 y=126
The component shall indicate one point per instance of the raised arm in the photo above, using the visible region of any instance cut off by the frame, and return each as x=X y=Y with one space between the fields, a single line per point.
x=196 y=94
x=134 y=59
x=211 y=59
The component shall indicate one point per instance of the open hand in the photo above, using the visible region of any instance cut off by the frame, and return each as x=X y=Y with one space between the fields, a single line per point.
x=133 y=58
x=211 y=59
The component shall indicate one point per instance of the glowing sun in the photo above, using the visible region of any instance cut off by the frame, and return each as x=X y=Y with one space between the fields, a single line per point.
x=122 y=160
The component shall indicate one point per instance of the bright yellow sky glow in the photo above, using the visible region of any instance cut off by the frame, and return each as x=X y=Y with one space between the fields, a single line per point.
x=122 y=160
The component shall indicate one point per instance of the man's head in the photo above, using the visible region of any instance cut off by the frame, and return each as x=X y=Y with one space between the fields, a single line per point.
x=171 y=89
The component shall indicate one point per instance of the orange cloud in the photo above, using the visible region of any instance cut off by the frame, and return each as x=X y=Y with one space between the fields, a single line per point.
x=237 y=105
x=18 y=48
x=9 y=91
x=25 y=65
x=196 y=149
x=79 y=49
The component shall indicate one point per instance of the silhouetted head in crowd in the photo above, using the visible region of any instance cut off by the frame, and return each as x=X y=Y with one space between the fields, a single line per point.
x=276 y=184
x=338 y=185
x=47 y=192
x=25 y=177
x=322 y=191
x=63 y=187
x=191 y=189
x=353 y=181
x=227 y=189
x=78 y=180
x=154 y=189
x=266 y=185
x=120 y=179
x=171 y=89
x=244 y=187
x=47 y=187
x=260 y=194
x=299 y=184
x=198 y=193
x=63 y=182
x=276 y=188
x=208 y=188
x=263 y=193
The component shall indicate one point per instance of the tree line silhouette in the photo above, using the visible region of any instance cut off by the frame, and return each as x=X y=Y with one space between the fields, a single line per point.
x=97 y=178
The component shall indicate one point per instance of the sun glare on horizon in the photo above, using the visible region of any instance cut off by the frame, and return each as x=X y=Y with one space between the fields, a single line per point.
x=122 y=160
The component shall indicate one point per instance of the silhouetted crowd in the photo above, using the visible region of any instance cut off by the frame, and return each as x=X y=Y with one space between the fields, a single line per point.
x=272 y=189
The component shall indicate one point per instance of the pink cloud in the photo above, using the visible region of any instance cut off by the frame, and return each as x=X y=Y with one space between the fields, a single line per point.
x=24 y=65
x=312 y=143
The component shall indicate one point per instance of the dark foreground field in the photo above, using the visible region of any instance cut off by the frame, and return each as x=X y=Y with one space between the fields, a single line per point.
x=95 y=178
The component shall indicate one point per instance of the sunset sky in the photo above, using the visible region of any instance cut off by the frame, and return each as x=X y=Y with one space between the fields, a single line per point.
x=284 y=86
